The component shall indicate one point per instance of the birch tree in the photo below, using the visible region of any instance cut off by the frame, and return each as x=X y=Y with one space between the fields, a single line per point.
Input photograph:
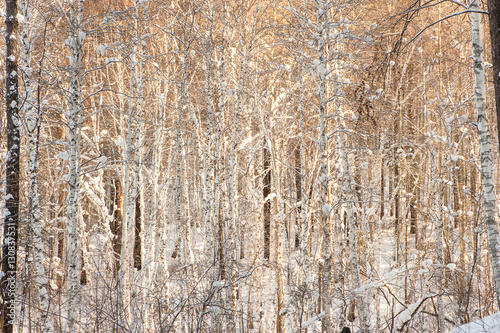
x=318 y=70
x=485 y=146
x=233 y=127
x=246 y=47
x=11 y=213
x=32 y=127
x=74 y=45
x=130 y=180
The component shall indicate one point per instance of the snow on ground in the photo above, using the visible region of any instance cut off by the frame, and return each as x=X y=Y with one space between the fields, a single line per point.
x=489 y=324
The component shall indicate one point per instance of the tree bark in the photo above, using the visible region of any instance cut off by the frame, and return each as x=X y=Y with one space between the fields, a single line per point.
x=266 y=191
x=487 y=168
x=494 y=20
x=32 y=124
x=435 y=209
x=74 y=127
x=129 y=190
x=11 y=222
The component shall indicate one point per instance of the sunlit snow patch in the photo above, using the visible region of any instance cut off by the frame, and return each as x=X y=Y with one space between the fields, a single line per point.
x=489 y=324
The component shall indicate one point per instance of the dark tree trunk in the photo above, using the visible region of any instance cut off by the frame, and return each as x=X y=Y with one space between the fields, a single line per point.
x=115 y=208
x=382 y=185
x=10 y=234
x=494 y=18
x=137 y=241
x=222 y=265
x=298 y=189
x=266 y=191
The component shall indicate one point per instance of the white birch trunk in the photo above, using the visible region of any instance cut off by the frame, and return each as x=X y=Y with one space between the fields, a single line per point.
x=188 y=250
x=123 y=294
x=305 y=230
x=151 y=241
x=139 y=180
x=217 y=232
x=348 y=187
x=208 y=167
x=34 y=213
x=348 y=193
x=320 y=66
x=130 y=187
x=232 y=167
x=489 y=194
x=436 y=211
x=220 y=235
x=74 y=44
x=139 y=140
x=231 y=221
x=281 y=237
x=178 y=188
